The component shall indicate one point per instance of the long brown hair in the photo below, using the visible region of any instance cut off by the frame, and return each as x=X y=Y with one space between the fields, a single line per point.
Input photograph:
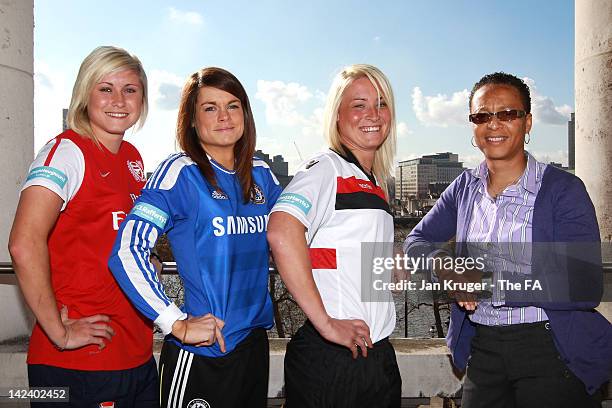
x=188 y=140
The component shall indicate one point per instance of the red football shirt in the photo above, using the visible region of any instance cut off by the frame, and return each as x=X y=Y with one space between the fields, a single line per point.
x=98 y=189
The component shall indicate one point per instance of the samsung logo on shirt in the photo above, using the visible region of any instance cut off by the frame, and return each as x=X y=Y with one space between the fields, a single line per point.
x=233 y=225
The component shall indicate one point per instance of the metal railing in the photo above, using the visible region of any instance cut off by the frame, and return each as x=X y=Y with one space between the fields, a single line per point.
x=169 y=268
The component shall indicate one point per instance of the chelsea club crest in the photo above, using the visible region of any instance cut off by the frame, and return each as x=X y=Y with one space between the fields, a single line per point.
x=198 y=403
x=257 y=197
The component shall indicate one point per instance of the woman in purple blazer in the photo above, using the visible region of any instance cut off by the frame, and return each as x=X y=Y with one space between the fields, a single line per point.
x=524 y=350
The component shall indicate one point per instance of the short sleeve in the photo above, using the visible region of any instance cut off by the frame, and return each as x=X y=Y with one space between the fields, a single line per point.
x=59 y=167
x=310 y=196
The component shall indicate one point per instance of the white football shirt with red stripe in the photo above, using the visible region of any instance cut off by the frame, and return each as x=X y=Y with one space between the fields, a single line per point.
x=98 y=189
x=341 y=207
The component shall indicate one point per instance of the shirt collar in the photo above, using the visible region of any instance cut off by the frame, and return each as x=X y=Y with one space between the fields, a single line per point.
x=219 y=165
x=350 y=157
x=528 y=181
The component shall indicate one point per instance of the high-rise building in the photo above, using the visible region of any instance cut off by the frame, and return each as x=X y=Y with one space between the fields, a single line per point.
x=64 y=121
x=414 y=177
x=571 y=142
x=278 y=165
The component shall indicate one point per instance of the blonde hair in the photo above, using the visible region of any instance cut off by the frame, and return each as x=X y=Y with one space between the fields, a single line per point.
x=384 y=157
x=100 y=62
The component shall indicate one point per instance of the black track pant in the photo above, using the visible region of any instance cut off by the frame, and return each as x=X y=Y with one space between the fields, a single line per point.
x=239 y=379
x=324 y=375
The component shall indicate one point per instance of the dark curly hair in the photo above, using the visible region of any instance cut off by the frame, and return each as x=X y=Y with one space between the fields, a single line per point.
x=501 y=78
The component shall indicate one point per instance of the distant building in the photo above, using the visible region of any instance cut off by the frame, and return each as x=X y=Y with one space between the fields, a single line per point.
x=64 y=120
x=571 y=142
x=278 y=165
x=557 y=165
x=391 y=187
x=426 y=176
x=561 y=166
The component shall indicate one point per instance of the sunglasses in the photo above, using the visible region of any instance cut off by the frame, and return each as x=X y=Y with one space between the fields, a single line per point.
x=504 y=116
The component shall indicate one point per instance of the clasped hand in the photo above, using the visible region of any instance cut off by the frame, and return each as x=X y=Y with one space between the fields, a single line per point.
x=465 y=299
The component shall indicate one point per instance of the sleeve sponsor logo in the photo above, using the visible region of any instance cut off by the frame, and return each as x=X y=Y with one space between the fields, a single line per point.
x=296 y=200
x=49 y=173
x=151 y=214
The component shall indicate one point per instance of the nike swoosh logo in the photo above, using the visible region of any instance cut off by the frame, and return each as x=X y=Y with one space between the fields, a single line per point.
x=105 y=174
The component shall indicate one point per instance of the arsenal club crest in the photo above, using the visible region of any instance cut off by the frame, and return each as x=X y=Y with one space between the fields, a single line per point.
x=137 y=170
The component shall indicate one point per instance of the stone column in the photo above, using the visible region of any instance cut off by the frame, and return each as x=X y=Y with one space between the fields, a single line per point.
x=593 y=82
x=16 y=142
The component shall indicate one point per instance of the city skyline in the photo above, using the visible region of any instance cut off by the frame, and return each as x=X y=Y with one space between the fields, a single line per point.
x=286 y=56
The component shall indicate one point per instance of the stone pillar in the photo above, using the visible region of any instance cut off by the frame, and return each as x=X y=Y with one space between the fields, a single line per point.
x=16 y=141
x=593 y=82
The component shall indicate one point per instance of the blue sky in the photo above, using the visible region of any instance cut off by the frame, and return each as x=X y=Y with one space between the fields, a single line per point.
x=286 y=53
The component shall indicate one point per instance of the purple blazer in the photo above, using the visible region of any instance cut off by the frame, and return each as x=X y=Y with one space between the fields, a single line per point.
x=563 y=212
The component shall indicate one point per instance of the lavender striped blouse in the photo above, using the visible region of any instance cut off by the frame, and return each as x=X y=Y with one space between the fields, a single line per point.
x=504 y=226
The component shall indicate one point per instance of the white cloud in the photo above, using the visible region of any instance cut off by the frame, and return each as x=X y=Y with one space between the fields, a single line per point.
x=559 y=156
x=170 y=95
x=51 y=94
x=164 y=89
x=156 y=140
x=296 y=116
x=544 y=109
x=403 y=130
x=441 y=110
x=189 y=17
x=314 y=124
x=42 y=79
x=282 y=101
x=320 y=95
x=471 y=160
x=407 y=156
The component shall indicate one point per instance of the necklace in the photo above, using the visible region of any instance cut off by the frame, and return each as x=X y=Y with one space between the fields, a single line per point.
x=494 y=192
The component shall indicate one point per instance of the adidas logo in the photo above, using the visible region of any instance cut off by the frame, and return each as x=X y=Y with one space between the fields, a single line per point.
x=219 y=195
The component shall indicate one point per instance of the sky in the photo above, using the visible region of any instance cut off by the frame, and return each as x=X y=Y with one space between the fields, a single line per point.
x=286 y=54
